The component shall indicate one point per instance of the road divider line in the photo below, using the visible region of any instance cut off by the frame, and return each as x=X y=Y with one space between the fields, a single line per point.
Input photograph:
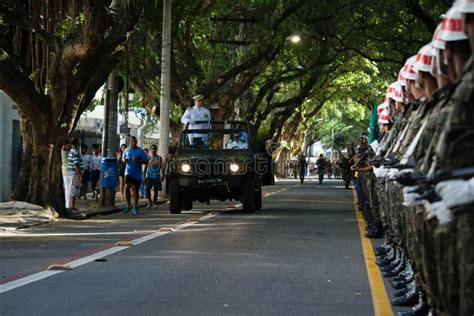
x=380 y=299
x=90 y=258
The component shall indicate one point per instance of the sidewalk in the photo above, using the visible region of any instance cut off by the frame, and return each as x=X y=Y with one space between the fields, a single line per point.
x=16 y=215
x=90 y=208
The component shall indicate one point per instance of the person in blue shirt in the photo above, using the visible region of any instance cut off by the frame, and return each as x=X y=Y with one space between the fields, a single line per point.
x=153 y=176
x=134 y=157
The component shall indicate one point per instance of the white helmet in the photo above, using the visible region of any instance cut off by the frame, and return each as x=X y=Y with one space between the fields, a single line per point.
x=451 y=26
x=384 y=118
x=408 y=72
x=382 y=106
x=424 y=59
x=396 y=92
x=437 y=42
x=401 y=80
x=464 y=6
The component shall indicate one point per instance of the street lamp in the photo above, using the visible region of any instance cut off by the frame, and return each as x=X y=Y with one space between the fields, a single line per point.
x=295 y=38
x=332 y=137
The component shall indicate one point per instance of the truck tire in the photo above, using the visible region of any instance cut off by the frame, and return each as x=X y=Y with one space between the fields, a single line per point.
x=248 y=195
x=175 y=202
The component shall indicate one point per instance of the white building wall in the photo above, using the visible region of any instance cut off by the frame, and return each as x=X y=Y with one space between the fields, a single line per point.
x=7 y=115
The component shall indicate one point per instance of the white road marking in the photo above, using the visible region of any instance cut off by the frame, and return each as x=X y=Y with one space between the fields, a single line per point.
x=26 y=234
x=101 y=254
x=27 y=280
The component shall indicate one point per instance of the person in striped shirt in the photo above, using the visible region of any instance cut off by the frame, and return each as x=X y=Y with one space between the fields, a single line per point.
x=74 y=173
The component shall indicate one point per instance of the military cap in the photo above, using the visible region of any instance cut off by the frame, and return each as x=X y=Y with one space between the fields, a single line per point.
x=198 y=97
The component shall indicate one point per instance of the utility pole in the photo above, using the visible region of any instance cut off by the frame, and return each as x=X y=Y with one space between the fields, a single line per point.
x=165 y=99
x=109 y=137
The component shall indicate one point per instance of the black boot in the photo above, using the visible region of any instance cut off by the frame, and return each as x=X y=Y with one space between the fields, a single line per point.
x=389 y=258
x=409 y=299
x=397 y=264
x=382 y=250
x=420 y=309
x=401 y=293
x=394 y=272
x=400 y=284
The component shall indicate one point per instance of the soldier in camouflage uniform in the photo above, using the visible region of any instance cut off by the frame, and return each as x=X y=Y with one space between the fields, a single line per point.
x=455 y=149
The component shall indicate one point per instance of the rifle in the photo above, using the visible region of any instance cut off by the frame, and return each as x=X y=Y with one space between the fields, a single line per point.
x=426 y=183
x=363 y=156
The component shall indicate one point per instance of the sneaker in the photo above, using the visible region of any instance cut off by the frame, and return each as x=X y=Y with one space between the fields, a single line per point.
x=127 y=209
x=149 y=205
x=135 y=210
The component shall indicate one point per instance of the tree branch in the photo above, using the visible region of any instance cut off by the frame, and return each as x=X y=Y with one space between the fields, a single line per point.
x=21 y=89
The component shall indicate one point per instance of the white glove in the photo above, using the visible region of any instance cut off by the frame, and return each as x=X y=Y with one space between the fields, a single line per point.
x=429 y=210
x=456 y=192
x=442 y=212
x=376 y=171
x=409 y=189
x=382 y=172
x=411 y=199
x=393 y=172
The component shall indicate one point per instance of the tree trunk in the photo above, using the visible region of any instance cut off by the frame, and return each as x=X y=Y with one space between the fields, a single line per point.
x=21 y=188
x=40 y=181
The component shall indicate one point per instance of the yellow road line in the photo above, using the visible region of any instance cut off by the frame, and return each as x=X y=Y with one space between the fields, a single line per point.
x=380 y=300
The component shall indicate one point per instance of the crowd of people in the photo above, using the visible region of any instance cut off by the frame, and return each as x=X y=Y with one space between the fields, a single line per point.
x=337 y=168
x=140 y=173
x=415 y=184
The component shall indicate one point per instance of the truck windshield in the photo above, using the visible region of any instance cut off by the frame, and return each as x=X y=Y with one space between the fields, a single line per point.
x=214 y=140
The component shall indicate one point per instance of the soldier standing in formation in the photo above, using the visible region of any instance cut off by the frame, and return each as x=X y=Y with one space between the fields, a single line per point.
x=417 y=185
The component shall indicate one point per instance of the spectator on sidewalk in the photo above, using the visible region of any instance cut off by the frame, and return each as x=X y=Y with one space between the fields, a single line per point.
x=96 y=162
x=153 y=176
x=64 y=160
x=121 y=171
x=135 y=158
x=170 y=157
x=142 y=186
x=86 y=166
x=74 y=173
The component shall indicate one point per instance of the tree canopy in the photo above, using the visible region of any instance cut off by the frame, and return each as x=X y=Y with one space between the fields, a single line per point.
x=54 y=55
x=240 y=56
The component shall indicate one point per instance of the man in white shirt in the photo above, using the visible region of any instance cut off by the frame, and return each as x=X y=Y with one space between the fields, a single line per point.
x=86 y=167
x=195 y=114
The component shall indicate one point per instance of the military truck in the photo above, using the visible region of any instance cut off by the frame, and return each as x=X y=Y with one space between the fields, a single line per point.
x=220 y=163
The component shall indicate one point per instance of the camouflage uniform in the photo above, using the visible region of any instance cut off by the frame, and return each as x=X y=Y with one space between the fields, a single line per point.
x=454 y=241
x=382 y=183
x=440 y=106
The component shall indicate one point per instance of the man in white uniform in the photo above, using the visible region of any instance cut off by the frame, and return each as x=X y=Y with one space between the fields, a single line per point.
x=194 y=114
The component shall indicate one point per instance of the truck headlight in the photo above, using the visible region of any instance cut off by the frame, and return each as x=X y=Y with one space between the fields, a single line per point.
x=234 y=167
x=185 y=167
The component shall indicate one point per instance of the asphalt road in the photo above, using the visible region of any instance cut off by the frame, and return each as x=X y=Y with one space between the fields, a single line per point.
x=300 y=255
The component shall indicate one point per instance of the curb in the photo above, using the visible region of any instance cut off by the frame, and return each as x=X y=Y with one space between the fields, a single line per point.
x=79 y=217
x=12 y=229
